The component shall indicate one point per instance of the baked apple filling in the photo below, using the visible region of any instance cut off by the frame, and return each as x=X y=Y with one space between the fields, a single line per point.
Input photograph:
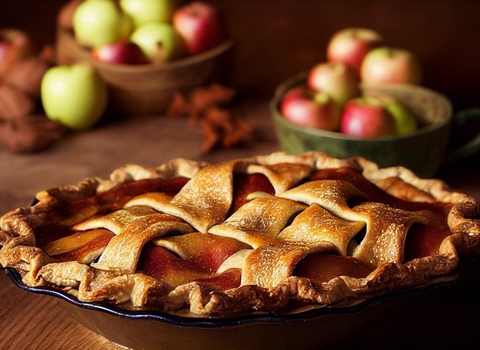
x=256 y=234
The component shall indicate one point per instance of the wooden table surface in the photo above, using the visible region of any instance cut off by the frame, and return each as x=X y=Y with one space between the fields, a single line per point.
x=35 y=321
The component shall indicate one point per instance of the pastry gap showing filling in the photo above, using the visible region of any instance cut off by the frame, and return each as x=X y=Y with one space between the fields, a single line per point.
x=83 y=247
x=200 y=266
x=245 y=184
x=423 y=241
x=322 y=267
x=356 y=240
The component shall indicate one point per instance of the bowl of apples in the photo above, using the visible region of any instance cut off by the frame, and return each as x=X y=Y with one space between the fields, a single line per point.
x=146 y=51
x=366 y=100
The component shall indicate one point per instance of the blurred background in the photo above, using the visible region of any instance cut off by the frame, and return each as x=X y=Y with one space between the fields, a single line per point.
x=278 y=38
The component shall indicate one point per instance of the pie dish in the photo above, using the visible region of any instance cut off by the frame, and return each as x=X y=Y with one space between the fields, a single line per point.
x=317 y=328
x=271 y=234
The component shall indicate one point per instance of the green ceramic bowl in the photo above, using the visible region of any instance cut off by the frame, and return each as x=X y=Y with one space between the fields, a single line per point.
x=422 y=152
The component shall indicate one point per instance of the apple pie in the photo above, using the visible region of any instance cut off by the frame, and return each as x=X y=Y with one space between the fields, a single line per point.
x=271 y=233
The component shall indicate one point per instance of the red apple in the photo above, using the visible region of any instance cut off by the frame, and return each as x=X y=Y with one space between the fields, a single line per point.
x=337 y=79
x=350 y=45
x=303 y=106
x=120 y=52
x=391 y=65
x=366 y=117
x=201 y=25
x=15 y=45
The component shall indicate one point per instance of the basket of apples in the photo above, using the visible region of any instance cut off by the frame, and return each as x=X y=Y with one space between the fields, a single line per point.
x=146 y=50
x=366 y=100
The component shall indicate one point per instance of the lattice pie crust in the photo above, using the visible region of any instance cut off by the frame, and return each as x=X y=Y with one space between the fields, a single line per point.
x=267 y=234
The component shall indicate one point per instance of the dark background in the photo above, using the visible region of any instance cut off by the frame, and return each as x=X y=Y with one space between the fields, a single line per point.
x=278 y=38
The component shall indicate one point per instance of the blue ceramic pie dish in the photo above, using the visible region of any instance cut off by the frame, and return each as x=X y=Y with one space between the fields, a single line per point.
x=317 y=328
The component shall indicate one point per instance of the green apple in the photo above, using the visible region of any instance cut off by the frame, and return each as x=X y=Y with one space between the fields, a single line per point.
x=99 y=22
x=143 y=11
x=160 y=42
x=405 y=122
x=75 y=96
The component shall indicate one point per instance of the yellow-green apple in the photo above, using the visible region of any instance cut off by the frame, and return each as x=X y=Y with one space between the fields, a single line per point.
x=350 y=45
x=303 y=106
x=405 y=122
x=160 y=42
x=143 y=11
x=337 y=79
x=201 y=25
x=120 y=52
x=391 y=65
x=74 y=95
x=98 y=22
x=15 y=44
x=366 y=117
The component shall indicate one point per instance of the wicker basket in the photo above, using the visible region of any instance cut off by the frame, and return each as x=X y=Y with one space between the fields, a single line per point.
x=148 y=89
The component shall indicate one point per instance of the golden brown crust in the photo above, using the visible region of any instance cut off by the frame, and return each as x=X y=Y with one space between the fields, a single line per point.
x=273 y=234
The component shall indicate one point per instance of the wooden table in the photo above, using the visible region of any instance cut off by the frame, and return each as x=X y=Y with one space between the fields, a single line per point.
x=34 y=321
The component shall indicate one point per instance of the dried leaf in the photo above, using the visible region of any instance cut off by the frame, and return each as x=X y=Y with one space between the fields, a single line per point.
x=30 y=133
